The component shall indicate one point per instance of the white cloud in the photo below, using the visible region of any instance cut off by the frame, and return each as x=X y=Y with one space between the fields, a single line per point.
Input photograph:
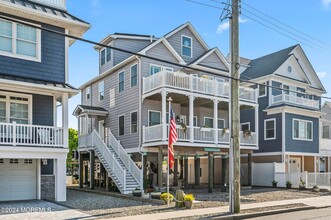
x=321 y=74
x=326 y=3
x=226 y=25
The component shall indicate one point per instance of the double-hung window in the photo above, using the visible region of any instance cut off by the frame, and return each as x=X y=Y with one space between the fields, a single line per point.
x=121 y=125
x=103 y=57
x=19 y=40
x=134 y=122
x=302 y=130
x=88 y=93
x=134 y=75
x=326 y=131
x=101 y=90
x=108 y=54
x=270 y=129
x=262 y=90
x=186 y=46
x=121 y=81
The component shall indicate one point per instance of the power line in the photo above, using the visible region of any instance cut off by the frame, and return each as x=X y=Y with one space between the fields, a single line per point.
x=149 y=57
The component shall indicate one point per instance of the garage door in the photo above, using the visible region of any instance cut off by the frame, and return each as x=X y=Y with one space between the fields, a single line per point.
x=18 y=179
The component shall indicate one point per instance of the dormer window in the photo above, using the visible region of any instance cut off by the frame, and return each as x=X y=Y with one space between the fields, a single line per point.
x=105 y=56
x=186 y=46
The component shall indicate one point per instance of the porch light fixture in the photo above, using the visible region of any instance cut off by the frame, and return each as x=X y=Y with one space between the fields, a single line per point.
x=44 y=161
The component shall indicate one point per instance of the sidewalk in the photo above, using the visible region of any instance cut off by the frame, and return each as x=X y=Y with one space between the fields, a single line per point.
x=316 y=202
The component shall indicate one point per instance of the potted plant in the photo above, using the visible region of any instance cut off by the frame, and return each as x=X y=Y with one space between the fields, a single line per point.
x=137 y=192
x=316 y=188
x=148 y=187
x=302 y=184
x=188 y=200
x=288 y=185
x=167 y=197
x=224 y=131
x=183 y=126
x=247 y=133
x=274 y=184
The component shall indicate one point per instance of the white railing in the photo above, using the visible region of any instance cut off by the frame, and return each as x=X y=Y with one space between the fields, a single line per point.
x=125 y=158
x=105 y=153
x=204 y=134
x=248 y=139
x=223 y=136
x=152 y=133
x=321 y=180
x=30 y=135
x=183 y=81
x=295 y=100
x=54 y=3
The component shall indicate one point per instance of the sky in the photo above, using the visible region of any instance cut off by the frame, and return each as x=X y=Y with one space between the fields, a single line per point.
x=157 y=17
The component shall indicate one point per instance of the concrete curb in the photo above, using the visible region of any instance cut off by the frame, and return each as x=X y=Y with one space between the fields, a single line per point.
x=117 y=195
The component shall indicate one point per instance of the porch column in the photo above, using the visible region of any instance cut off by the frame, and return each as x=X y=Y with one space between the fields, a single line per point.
x=144 y=166
x=329 y=166
x=257 y=125
x=86 y=175
x=60 y=179
x=185 y=172
x=159 y=167
x=224 y=169
x=197 y=170
x=215 y=121
x=107 y=182
x=100 y=175
x=81 y=167
x=92 y=161
x=176 y=172
x=65 y=119
x=249 y=175
x=210 y=172
x=164 y=115
x=303 y=163
x=191 y=117
x=315 y=167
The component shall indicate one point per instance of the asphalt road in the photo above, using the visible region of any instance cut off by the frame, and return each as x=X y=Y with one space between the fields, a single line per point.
x=320 y=214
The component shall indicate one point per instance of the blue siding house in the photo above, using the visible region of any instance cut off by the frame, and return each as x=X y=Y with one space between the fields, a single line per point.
x=33 y=82
x=289 y=109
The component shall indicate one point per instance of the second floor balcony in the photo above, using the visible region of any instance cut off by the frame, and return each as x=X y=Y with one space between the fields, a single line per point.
x=12 y=134
x=200 y=135
x=295 y=100
x=194 y=84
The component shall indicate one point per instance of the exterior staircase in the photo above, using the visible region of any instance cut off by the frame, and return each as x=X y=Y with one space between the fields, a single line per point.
x=120 y=167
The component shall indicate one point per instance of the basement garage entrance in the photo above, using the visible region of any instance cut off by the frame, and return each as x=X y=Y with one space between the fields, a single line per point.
x=18 y=179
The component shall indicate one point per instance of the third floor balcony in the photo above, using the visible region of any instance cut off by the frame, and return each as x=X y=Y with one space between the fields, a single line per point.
x=295 y=100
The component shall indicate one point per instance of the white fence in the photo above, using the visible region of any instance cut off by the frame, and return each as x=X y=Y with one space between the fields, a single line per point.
x=321 y=180
x=264 y=173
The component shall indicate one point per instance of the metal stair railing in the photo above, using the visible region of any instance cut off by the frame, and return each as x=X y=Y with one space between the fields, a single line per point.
x=125 y=158
x=105 y=152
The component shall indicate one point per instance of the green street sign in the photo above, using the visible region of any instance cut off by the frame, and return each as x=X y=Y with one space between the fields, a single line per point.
x=209 y=149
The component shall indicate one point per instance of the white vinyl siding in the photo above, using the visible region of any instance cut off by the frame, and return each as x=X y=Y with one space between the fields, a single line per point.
x=19 y=41
x=302 y=130
x=270 y=129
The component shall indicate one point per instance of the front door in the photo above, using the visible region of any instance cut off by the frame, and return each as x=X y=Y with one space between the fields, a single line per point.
x=295 y=165
x=101 y=129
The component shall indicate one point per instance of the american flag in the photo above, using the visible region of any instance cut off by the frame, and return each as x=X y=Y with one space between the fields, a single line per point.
x=172 y=139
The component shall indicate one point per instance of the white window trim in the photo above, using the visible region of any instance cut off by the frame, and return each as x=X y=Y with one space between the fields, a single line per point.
x=131 y=122
x=7 y=100
x=14 y=37
x=205 y=117
x=328 y=126
x=118 y=124
x=312 y=129
x=161 y=67
x=265 y=131
x=265 y=91
x=131 y=75
x=118 y=81
x=246 y=123
x=149 y=118
x=103 y=90
x=89 y=92
x=183 y=45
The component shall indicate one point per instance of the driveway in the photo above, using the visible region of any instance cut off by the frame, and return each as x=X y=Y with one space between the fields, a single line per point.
x=38 y=209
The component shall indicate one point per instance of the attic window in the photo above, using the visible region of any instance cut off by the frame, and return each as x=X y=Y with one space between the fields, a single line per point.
x=186 y=46
x=105 y=56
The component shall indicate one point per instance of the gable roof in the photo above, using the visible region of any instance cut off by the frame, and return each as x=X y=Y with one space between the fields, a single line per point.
x=267 y=64
x=192 y=29
x=207 y=54
x=90 y=110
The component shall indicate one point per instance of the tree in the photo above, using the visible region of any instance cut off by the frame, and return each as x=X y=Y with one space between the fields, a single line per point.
x=73 y=143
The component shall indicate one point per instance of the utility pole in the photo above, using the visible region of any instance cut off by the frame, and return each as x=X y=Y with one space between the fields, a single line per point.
x=235 y=113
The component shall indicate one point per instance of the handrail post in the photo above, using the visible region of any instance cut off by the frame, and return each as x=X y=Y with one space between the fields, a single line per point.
x=124 y=182
x=14 y=133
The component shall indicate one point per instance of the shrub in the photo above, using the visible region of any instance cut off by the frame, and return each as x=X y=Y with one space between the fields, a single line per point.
x=189 y=197
x=164 y=197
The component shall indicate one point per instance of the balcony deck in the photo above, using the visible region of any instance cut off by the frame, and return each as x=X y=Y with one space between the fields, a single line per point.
x=201 y=135
x=189 y=83
x=12 y=134
x=300 y=101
